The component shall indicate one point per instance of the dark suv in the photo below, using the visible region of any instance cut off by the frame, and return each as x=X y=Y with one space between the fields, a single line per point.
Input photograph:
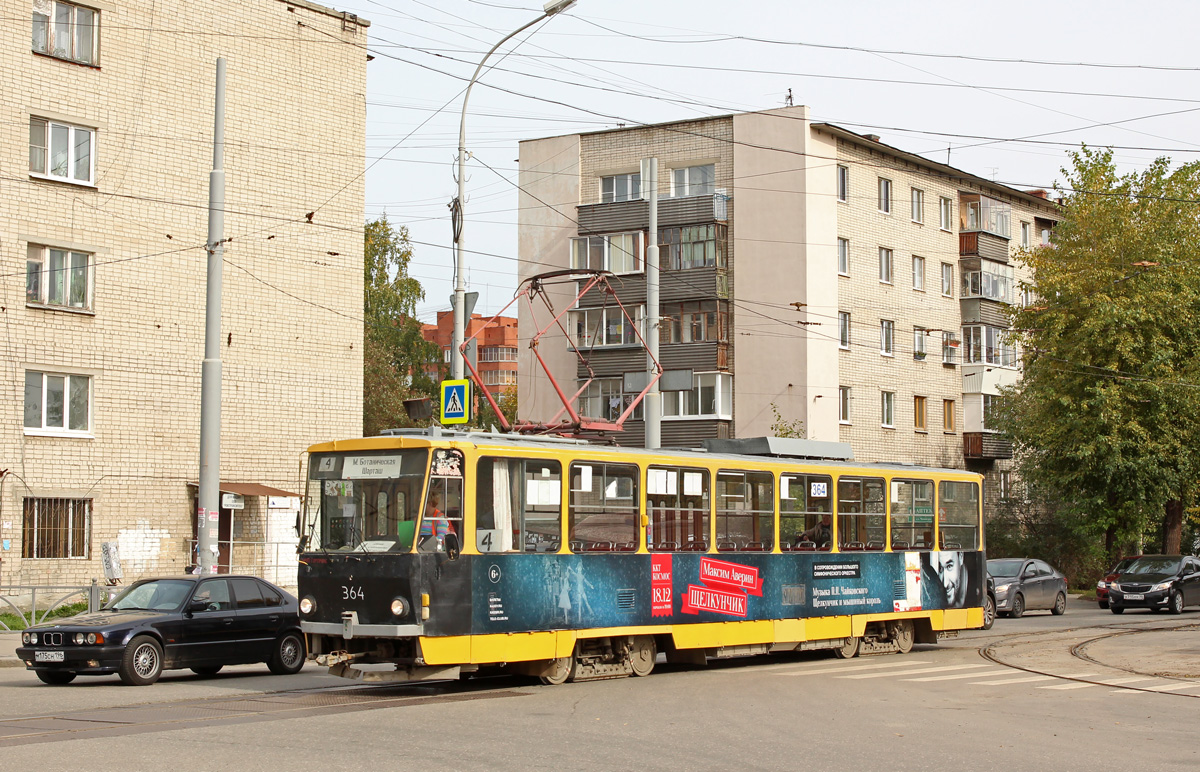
x=1157 y=582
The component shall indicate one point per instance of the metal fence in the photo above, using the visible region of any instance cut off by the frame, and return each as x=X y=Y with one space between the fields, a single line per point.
x=33 y=603
x=275 y=561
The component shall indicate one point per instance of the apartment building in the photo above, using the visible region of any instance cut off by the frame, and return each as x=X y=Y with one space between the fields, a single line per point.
x=105 y=152
x=806 y=271
x=495 y=348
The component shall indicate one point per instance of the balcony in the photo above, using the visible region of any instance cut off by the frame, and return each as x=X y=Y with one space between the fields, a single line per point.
x=986 y=446
x=635 y=215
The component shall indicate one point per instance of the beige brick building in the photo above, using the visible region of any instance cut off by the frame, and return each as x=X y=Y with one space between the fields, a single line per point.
x=105 y=152
x=851 y=285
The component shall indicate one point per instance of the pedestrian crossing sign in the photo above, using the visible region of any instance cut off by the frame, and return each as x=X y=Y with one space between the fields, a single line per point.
x=456 y=401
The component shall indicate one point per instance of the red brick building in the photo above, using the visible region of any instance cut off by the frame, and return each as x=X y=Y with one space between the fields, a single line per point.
x=497 y=353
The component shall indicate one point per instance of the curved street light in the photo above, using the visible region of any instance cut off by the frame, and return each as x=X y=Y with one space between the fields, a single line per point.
x=457 y=206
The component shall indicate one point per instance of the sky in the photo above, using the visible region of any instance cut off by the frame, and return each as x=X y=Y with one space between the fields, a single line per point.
x=1002 y=90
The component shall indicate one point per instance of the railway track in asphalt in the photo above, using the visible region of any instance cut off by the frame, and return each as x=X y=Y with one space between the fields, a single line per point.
x=1131 y=655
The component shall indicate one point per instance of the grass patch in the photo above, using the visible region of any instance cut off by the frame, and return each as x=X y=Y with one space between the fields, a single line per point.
x=16 y=623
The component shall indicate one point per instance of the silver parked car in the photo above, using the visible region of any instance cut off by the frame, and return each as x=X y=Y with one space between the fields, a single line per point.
x=1025 y=583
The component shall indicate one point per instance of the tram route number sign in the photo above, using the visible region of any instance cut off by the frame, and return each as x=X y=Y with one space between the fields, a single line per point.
x=456 y=402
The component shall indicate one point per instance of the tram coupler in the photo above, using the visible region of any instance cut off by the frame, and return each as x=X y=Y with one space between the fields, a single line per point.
x=335 y=658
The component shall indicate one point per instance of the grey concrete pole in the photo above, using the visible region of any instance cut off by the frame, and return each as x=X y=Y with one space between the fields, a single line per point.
x=653 y=398
x=209 y=502
x=460 y=287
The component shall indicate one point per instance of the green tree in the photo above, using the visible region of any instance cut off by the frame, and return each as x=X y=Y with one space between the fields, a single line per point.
x=782 y=427
x=1106 y=416
x=395 y=354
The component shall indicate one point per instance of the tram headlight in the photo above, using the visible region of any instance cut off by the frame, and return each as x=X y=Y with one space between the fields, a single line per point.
x=307 y=605
x=400 y=607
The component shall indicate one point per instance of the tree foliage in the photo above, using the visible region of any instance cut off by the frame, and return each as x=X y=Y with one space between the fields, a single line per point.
x=1107 y=414
x=394 y=352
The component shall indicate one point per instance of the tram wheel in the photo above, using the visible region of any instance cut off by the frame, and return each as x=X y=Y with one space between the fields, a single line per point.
x=848 y=649
x=560 y=671
x=642 y=655
x=904 y=635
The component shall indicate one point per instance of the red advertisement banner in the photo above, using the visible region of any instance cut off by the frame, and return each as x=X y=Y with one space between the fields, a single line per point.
x=715 y=600
x=660 y=585
x=732 y=576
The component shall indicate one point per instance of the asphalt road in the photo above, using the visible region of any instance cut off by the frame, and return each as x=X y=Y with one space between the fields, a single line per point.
x=1085 y=691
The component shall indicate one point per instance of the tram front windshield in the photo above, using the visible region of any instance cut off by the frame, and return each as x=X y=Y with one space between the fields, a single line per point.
x=366 y=501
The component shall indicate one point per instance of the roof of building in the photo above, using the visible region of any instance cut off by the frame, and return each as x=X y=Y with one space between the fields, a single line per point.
x=343 y=15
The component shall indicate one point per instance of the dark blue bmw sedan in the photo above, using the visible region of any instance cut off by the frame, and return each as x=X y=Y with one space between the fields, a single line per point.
x=197 y=622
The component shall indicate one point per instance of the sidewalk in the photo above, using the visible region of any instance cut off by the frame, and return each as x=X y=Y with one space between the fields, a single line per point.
x=8 y=649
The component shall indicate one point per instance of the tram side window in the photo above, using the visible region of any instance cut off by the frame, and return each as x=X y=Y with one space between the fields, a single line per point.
x=603 y=513
x=745 y=511
x=805 y=511
x=861 y=512
x=958 y=516
x=518 y=505
x=678 y=500
x=443 y=503
x=912 y=514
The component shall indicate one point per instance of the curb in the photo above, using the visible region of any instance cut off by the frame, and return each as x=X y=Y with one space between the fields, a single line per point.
x=11 y=662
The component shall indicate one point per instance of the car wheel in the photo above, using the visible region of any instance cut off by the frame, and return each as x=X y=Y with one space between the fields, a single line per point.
x=55 y=677
x=1018 y=607
x=209 y=670
x=1176 y=602
x=1116 y=609
x=289 y=655
x=1060 y=605
x=989 y=612
x=848 y=649
x=1104 y=604
x=142 y=663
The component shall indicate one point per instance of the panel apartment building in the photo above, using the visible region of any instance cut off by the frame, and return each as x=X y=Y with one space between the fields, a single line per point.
x=105 y=152
x=805 y=269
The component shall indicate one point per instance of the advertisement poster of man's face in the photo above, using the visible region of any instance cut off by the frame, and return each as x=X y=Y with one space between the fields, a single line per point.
x=947 y=580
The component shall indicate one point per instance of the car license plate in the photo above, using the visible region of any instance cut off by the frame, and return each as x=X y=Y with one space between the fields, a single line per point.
x=1134 y=596
x=48 y=656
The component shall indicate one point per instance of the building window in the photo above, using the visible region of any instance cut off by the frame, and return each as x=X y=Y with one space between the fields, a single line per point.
x=991 y=404
x=843 y=183
x=619 y=253
x=949 y=348
x=844 y=257
x=1005 y=485
x=885 y=195
x=65 y=30
x=844 y=404
x=993 y=281
x=844 y=329
x=700 y=322
x=695 y=246
x=596 y=327
x=887 y=409
x=918 y=205
x=887 y=329
x=918 y=273
x=948 y=280
x=919 y=414
x=60 y=151
x=445 y=355
x=989 y=345
x=499 y=377
x=604 y=398
x=945 y=213
x=711 y=396
x=919 y=334
x=56 y=528
x=498 y=354
x=948 y=415
x=885 y=265
x=57 y=403
x=693 y=181
x=1045 y=237
x=980 y=213
x=58 y=277
x=1025 y=235
x=620 y=187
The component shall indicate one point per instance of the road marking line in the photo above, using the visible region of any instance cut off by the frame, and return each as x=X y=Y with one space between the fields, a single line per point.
x=940 y=669
x=1063 y=687
x=1028 y=679
x=1115 y=681
x=976 y=674
x=852 y=668
x=1161 y=688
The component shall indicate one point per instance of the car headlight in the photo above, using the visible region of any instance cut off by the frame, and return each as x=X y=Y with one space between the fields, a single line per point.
x=33 y=638
x=1115 y=586
x=1100 y=585
x=399 y=607
x=307 y=605
x=80 y=639
x=1003 y=589
x=25 y=638
x=1160 y=587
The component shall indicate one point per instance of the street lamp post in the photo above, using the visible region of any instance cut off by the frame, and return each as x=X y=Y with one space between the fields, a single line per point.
x=456 y=361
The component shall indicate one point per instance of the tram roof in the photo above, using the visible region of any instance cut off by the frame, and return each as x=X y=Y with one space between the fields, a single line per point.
x=769 y=449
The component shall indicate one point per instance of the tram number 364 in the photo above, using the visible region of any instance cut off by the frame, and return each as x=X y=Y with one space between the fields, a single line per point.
x=350 y=592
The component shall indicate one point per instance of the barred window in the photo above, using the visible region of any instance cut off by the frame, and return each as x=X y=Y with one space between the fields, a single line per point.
x=57 y=528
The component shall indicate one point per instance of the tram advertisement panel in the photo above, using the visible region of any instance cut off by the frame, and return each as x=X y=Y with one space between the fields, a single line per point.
x=546 y=592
